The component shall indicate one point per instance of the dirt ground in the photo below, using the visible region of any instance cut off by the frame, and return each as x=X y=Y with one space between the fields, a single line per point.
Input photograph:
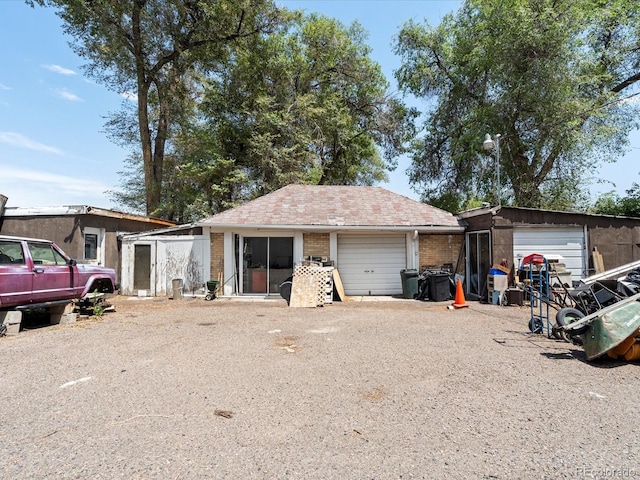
x=394 y=389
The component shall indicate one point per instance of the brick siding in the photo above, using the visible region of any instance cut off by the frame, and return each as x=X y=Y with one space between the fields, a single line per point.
x=439 y=249
x=217 y=255
x=316 y=245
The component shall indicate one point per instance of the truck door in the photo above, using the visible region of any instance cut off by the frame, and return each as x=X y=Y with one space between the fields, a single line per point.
x=54 y=278
x=15 y=275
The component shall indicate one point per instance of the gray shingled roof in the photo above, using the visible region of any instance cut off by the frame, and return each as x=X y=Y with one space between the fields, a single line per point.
x=327 y=205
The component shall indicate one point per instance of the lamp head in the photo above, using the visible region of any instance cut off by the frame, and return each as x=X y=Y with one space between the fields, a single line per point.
x=488 y=143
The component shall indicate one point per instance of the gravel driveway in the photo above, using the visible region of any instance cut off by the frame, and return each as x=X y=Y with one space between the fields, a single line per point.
x=236 y=389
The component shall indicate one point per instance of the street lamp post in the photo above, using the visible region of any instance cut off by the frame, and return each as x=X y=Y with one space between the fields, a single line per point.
x=490 y=145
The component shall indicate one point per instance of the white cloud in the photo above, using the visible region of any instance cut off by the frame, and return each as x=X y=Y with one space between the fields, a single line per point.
x=17 y=140
x=59 y=69
x=4 y=87
x=30 y=188
x=52 y=179
x=67 y=95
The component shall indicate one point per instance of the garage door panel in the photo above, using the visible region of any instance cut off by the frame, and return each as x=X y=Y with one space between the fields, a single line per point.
x=566 y=242
x=371 y=264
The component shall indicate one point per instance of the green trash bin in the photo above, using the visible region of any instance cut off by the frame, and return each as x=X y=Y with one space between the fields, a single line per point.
x=409 y=279
x=212 y=287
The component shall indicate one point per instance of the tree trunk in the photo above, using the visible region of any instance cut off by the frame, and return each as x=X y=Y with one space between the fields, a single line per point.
x=152 y=191
x=150 y=174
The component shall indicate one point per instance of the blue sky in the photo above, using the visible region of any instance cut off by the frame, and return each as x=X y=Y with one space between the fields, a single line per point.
x=53 y=149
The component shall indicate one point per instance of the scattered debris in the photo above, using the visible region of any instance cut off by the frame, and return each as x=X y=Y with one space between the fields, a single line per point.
x=288 y=344
x=94 y=304
x=376 y=394
x=361 y=435
x=73 y=382
x=223 y=413
x=312 y=286
x=324 y=330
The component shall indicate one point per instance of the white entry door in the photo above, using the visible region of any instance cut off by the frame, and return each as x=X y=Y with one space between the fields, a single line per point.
x=371 y=264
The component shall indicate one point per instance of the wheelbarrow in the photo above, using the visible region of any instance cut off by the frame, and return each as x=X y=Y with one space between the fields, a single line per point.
x=614 y=330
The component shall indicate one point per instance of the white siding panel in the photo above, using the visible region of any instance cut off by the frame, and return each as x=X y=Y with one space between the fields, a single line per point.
x=567 y=242
x=371 y=264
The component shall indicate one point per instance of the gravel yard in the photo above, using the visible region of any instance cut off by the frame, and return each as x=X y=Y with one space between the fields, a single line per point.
x=238 y=389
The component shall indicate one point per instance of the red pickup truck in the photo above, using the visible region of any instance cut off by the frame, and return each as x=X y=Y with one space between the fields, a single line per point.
x=37 y=272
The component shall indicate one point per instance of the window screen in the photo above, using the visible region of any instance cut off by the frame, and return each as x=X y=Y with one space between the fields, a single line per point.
x=90 y=246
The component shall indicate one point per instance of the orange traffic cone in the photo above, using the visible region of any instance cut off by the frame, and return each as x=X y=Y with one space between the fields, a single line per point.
x=460 y=302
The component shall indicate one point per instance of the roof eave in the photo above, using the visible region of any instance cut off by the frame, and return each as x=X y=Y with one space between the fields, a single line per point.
x=397 y=228
x=65 y=210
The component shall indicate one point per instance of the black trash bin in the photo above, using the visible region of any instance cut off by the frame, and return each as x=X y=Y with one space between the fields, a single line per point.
x=439 y=287
x=409 y=279
x=285 y=289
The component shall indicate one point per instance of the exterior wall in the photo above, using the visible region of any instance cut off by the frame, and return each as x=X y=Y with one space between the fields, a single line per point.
x=616 y=238
x=217 y=256
x=618 y=246
x=62 y=230
x=479 y=222
x=182 y=257
x=316 y=244
x=439 y=249
x=67 y=232
x=502 y=245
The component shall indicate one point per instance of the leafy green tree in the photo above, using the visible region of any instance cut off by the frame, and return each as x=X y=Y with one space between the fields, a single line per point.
x=150 y=48
x=302 y=105
x=307 y=105
x=550 y=76
x=131 y=197
x=197 y=181
x=612 y=204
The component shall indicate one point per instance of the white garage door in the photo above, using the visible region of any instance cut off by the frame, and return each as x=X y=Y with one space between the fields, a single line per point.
x=371 y=264
x=567 y=242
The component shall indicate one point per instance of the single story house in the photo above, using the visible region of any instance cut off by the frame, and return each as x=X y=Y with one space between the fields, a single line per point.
x=87 y=234
x=512 y=233
x=368 y=233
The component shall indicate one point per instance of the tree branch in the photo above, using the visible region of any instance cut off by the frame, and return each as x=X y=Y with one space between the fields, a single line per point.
x=626 y=83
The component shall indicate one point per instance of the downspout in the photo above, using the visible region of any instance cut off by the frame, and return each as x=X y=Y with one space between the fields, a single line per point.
x=154 y=269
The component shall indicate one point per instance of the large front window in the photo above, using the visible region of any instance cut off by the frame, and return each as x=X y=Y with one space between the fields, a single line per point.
x=267 y=262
